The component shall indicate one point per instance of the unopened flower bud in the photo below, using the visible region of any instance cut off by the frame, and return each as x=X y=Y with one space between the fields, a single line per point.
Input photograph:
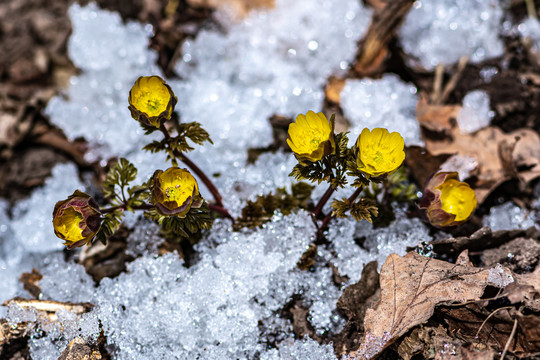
x=447 y=201
x=175 y=192
x=77 y=219
x=151 y=101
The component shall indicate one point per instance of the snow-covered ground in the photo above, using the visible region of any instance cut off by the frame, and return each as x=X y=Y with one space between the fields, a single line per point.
x=273 y=62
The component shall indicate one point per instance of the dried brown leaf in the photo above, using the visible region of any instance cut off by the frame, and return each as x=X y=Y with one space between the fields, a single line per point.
x=78 y=349
x=30 y=282
x=411 y=287
x=437 y=118
x=239 y=8
x=471 y=324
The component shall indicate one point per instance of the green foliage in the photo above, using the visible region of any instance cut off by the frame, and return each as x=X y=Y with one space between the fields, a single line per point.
x=257 y=212
x=118 y=177
x=109 y=225
x=331 y=168
x=362 y=209
x=195 y=221
x=401 y=189
x=176 y=145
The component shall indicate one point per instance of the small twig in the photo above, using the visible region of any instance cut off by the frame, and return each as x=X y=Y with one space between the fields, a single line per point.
x=531 y=9
x=323 y=200
x=451 y=84
x=507 y=346
x=209 y=185
x=489 y=316
x=437 y=83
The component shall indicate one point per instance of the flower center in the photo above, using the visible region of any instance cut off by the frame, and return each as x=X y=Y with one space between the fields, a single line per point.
x=177 y=193
x=68 y=225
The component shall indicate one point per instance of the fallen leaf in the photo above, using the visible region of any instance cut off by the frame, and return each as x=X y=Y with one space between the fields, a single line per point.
x=472 y=324
x=440 y=119
x=238 y=8
x=480 y=240
x=30 y=282
x=411 y=287
x=428 y=341
x=78 y=349
x=526 y=290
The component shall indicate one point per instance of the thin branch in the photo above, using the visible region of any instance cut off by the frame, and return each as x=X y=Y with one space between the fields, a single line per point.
x=507 y=346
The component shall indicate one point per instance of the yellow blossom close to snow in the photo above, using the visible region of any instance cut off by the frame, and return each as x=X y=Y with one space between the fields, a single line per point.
x=379 y=152
x=151 y=100
x=175 y=192
x=77 y=219
x=311 y=137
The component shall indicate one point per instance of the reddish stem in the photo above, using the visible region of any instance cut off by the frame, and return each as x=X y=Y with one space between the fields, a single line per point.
x=323 y=200
x=219 y=208
x=123 y=207
x=330 y=216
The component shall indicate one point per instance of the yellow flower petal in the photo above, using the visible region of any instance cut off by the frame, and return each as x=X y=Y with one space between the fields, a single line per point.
x=457 y=198
x=311 y=137
x=151 y=100
x=174 y=191
x=379 y=152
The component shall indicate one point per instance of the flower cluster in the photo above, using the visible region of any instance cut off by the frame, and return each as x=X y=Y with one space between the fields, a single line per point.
x=170 y=197
x=324 y=156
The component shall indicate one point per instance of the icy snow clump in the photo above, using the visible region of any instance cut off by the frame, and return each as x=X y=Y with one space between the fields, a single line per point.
x=441 y=31
x=508 y=216
x=475 y=113
x=388 y=103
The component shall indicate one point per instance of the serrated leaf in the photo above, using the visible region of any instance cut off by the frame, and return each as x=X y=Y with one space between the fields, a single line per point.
x=109 y=225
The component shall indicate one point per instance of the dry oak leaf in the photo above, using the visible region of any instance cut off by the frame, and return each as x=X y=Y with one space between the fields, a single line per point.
x=437 y=118
x=411 y=287
x=526 y=289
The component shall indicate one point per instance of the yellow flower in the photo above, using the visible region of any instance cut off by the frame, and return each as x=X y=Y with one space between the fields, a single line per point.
x=175 y=192
x=447 y=201
x=311 y=137
x=77 y=219
x=151 y=100
x=379 y=152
